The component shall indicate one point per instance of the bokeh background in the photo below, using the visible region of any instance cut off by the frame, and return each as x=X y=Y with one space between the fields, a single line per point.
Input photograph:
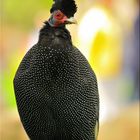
x=107 y=33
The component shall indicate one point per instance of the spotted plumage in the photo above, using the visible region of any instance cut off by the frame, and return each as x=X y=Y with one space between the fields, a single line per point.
x=56 y=89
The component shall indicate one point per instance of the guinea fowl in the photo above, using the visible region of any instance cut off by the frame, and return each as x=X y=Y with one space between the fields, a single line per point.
x=55 y=87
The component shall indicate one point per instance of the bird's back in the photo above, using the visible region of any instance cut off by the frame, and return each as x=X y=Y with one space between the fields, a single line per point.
x=56 y=90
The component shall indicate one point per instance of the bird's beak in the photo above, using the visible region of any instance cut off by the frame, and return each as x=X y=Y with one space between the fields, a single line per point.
x=71 y=20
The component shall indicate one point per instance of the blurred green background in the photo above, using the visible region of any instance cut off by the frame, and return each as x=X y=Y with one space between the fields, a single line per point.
x=107 y=34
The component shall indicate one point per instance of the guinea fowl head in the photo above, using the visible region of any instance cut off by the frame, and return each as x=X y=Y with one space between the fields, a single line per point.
x=63 y=12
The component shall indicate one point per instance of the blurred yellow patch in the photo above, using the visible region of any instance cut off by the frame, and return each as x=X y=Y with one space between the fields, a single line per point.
x=105 y=54
x=100 y=42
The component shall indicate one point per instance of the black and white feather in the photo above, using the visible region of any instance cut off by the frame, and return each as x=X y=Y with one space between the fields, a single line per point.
x=56 y=89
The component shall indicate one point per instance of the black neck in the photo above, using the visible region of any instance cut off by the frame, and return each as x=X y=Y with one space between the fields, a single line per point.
x=48 y=33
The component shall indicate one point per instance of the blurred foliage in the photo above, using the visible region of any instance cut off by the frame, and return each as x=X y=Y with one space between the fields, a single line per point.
x=20 y=13
x=7 y=81
x=17 y=19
